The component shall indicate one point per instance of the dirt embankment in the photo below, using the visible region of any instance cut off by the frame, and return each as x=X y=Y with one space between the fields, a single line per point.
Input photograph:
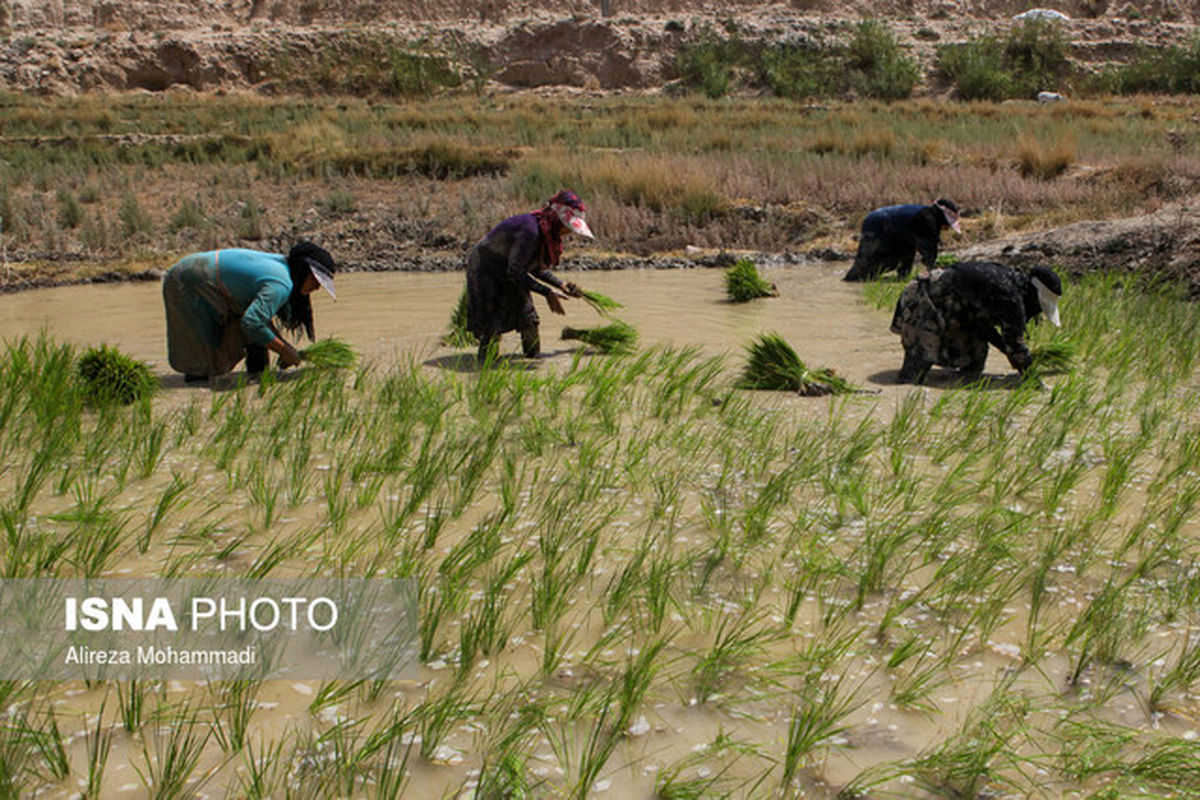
x=1165 y=243
x=57 y=46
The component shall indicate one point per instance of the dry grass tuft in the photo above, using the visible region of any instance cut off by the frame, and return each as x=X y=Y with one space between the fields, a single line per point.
x=1044 y=161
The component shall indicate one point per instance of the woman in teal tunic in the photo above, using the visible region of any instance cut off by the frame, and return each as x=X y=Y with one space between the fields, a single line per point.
x=221 y=305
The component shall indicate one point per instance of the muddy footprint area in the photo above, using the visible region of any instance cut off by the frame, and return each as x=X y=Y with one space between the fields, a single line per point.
x=392 y=318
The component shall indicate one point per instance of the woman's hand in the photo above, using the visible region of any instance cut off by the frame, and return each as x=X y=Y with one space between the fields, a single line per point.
x=289 y=358
x=288 y=355
x=554 y=300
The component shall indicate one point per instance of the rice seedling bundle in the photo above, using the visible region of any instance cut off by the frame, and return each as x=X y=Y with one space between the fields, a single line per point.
x=332 y=353
x=615 y=338
x=602 y=303
x=459 y=336
x=1053 y=357
x=111 y=377
x=774 y=365
x=743 y=283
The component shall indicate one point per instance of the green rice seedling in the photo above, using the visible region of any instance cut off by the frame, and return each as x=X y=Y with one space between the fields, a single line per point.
x=817 y=718
x=98 y=742
x=584 y=757
x=171 y=498
x=459 y=335
x=338 y=500
x=973 y=760
x=486 y=628
x=45 y=740
x=264 y=493
x=602 y=304
x=235 y=704
x=743 y=283
x=110 y=377
x=557 y=638
x=441 y=599
x=1183 y=674
x=170 y=758
x=636 y=679
x=95 y=541
x=388 y=749
x=737 y=641
x=438 y=716
x=912 y=690
x=131 y=701
x=1100 y=631
x=616 y=338
x=265 y=770
x=506 y=748
x=709 y=771
x=329 y=353
x=773 y=365
x=1173 y=763
x=1053 y=357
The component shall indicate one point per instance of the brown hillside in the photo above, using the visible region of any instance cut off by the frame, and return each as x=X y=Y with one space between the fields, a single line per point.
x=84 y=45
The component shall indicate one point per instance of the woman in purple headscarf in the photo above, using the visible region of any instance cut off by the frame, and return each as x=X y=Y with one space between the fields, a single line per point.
x=514 y=260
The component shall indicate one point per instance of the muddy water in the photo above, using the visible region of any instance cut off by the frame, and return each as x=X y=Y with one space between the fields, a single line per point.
x=397 y=317
x=391 y=316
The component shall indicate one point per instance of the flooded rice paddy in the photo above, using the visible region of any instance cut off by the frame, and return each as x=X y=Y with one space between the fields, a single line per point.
x=635 y=580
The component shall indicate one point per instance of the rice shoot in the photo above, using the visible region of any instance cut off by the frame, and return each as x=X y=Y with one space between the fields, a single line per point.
x=459 y=336
x=331 y=353
x=1053 y=357
x=743 y=283
x=773 y=365
x=602 y=303
x=614 y=339
x=110 y=377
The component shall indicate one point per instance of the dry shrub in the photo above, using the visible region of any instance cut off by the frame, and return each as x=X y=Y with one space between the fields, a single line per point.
x=927 y=151
x=656 y=183
x=826 y=143
x=1155 y=176
x=313 y=142
x=875 y=141
x=1082 y=109
x=861 y=142
x=669 y=118
x=1043 y=161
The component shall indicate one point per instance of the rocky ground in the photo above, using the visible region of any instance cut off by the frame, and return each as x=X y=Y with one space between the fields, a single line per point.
x=88 y=45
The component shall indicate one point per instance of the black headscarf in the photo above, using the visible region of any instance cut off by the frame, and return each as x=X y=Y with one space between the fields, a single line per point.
x=299 y=306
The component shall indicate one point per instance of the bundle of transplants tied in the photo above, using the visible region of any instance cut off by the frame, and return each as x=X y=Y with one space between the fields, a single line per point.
x=616 y=337
x=109 y=377
x=329 y=353
x=743 y=283
x=772 y=364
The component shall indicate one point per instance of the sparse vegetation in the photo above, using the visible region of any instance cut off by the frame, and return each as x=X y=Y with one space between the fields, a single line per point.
x=869 y=63
x=658 y=174
x=1173 y=69
x=1032 y=57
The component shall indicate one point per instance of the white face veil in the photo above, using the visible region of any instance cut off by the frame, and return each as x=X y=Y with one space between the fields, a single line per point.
x=951 y=217
x=1048 y=300
x=573 y=219
x=322 y=274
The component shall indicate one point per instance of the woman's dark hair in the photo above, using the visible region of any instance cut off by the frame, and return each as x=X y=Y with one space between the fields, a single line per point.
x=299 y=305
